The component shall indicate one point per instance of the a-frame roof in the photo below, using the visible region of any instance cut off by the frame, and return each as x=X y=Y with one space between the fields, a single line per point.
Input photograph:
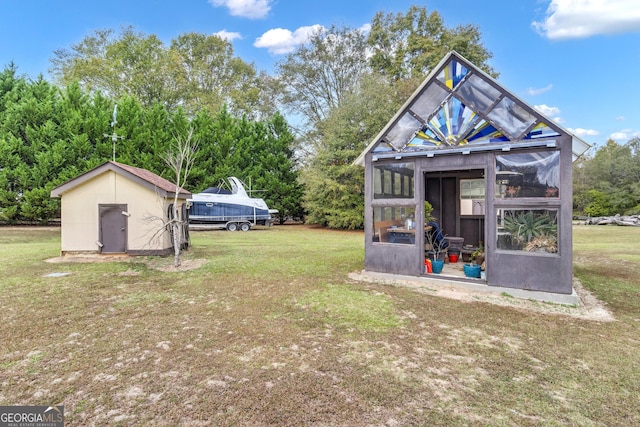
x=458 y=108
x=141 y=176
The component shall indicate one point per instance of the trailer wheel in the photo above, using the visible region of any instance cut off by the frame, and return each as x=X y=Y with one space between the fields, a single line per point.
x=245 y=226
x=232 y=226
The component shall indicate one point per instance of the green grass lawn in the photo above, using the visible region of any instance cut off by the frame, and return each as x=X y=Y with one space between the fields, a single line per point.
x=269 y=330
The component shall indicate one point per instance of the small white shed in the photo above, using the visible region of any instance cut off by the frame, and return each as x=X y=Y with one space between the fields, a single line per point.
x=116 y=208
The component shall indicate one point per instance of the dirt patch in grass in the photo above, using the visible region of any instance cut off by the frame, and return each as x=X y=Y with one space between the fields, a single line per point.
x=589 y=307
x=166 y=265
x=155 y=263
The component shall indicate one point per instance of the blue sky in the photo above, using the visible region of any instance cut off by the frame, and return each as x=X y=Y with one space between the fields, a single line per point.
x=575 y=60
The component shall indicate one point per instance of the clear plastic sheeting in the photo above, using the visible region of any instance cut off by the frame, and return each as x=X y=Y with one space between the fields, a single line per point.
x=528 y=175
x=578 y=147
x=478 y=94
x=511 y=118
x=402 y=131
x=428 y=101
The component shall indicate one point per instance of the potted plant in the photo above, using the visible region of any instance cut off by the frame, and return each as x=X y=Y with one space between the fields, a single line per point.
x=477 y=256
x=428 y=209
x=476 y=265
x=472 y=270
x=437 y=246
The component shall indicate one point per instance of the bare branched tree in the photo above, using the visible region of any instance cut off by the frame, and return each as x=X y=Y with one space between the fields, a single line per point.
x=180 y=158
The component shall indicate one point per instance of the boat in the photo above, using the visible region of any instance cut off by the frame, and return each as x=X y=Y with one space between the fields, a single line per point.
x=233 y=209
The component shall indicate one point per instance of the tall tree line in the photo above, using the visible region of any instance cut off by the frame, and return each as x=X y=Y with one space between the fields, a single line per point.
x=349 y=84
x=196 y=71
x=337 y=91
x=49 y=135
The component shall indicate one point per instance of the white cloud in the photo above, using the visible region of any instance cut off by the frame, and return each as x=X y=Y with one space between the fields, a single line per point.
x=532 y=91
x=228 y=35
x=365 y=28
x=584 y=132
x=619 y=136
x=546 y=110
x=252 y=9
x=620 y=118
x=280 y=40
x=567 y=19
x=624 y=135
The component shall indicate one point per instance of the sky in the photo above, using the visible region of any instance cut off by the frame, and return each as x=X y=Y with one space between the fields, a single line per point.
x=576 y=61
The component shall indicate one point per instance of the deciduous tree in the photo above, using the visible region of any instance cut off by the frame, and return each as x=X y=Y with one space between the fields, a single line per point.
x=409 y=45
x=334 y=195
x=129 y=63
x=195 y=71
x=317 y=76
x=400 y=49
x=180 y=158
x=607 y=182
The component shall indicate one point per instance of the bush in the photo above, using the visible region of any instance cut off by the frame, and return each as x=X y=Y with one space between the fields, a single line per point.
x=600 y=204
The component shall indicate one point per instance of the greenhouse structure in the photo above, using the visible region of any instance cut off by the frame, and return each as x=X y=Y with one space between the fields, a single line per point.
x=466 y=157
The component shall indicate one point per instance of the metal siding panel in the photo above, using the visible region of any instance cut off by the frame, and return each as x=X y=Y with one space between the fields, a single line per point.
x=394 y=259
x=113 y=228
x=545 y=273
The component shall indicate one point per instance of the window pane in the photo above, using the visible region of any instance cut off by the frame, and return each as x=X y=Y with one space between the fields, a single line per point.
x=528 y=175
x=541 y=130
x=394 y=224
x=427 y=102
x=478 y=93
x=452 y=74
x=484 y=132
x=401 y=132
x=472 y=196
x=528 y=230
x=382 y=147
x=393 y=181
x=453 y=121
x=512 y=118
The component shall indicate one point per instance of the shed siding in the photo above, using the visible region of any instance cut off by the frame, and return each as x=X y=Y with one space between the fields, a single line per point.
x=80 y=214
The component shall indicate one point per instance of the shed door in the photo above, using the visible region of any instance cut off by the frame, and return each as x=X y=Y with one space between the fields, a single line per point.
x=113 y=228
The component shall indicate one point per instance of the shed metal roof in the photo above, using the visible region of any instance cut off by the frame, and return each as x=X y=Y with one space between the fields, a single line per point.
x=142 y=176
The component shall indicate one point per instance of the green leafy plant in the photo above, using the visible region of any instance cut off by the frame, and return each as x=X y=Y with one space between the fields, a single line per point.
x=428 y=209
x=477 y=256
x=526 y=226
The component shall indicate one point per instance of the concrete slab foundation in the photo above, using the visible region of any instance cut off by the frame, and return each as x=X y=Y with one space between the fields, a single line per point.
x=572 y=299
